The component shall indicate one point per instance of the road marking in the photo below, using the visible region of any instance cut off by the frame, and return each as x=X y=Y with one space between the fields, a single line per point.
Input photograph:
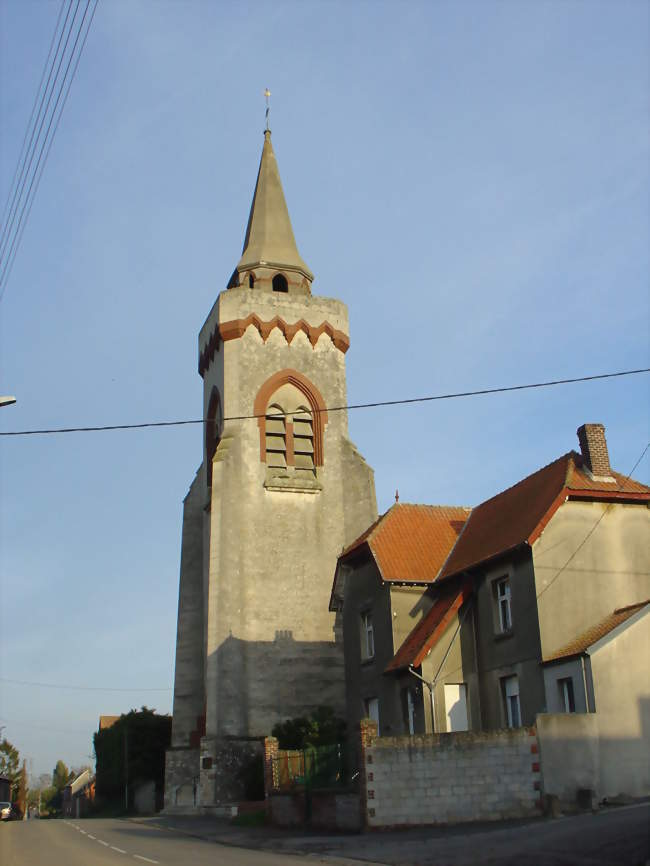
x=90 y=837
x=101 y=842
x=84 y=832
x=146 y=859
x=120 y=850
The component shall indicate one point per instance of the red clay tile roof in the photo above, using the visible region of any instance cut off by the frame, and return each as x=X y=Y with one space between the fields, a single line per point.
x=581 y=644
x=107 y=721
x=411 y=542
x=430 y=628
x=520 y=513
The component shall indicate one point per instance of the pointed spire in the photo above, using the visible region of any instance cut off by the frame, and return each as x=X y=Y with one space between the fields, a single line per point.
x=269 y=241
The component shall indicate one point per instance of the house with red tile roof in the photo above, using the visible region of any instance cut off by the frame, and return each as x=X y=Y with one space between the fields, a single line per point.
x=379 y=591
x=553 y=565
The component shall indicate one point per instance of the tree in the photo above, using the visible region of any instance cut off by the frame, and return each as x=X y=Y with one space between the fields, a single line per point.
x=21 y=798
x=10 y=764
x=322 y=728
x=60 y=776
x=132 y=750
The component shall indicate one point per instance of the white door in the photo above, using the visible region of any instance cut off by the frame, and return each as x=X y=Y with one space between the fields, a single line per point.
x=372 y=711
x=456 y=706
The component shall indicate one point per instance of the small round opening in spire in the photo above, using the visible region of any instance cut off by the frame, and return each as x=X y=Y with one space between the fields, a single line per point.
x=280 y=283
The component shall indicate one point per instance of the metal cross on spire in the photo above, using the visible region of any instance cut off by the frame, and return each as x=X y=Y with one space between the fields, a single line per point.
x=267 y=96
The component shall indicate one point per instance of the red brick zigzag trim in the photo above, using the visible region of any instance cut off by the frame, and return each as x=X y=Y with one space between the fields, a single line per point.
x=236 y=328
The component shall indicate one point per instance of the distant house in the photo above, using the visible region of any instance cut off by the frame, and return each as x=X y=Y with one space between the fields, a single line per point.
x=502 y=629
x=379 y=588
x=107 y=722
x=78 y=795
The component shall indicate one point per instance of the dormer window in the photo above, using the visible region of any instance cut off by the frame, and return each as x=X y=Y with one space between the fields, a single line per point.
x=280 y=283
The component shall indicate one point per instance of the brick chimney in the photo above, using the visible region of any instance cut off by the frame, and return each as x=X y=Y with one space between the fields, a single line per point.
x=593 y=446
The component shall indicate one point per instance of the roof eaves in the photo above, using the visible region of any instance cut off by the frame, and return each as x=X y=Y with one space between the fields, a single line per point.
x=364 y=536
x=461 y=597
x=611 y=495
x=488 y=560
x=559 y=500
x=455 y=603
x=636 y=611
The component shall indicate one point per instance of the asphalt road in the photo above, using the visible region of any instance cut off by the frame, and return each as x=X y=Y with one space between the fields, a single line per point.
x=616 y=837
x=118 y=843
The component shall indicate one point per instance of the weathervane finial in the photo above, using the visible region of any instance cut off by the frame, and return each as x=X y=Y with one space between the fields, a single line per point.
x=267 y=96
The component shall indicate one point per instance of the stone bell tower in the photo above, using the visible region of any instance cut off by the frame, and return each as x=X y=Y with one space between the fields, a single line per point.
x=281 y=490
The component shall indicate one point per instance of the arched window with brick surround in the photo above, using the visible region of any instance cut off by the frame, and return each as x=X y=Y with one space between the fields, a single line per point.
x=213 y=422
x=291 y=416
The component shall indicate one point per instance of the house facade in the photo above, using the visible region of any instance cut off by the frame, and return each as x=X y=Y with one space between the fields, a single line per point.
x=380 y=592
x=79 y=795
x=533 y=569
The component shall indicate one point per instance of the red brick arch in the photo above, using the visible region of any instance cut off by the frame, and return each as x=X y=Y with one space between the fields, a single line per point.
x=314 y=399
x=211 y=440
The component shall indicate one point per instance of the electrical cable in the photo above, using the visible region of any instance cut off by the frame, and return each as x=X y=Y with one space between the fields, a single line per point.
x=23 y=152
x=46 y=145
x=79 y=688
x=21 y=229
x=402 y=402
x=619 y=489
x=25 y=173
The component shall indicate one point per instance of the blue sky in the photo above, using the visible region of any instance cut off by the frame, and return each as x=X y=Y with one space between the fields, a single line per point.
x=471 y=178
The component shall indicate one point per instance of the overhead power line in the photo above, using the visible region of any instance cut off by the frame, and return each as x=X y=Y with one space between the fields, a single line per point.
x=28 y=172
x=79 y=688
x=400 y=402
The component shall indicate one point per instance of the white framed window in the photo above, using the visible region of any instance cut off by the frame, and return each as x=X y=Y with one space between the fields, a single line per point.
x=567 y=696
x=503 y=600
x=510 y=694
x=371 y=707
x=367 y=636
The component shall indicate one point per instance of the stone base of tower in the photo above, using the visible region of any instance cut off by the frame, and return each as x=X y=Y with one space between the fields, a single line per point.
x=224 y=761
x=182 y=779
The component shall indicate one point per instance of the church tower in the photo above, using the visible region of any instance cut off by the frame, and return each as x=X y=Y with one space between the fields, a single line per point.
x=281 y=490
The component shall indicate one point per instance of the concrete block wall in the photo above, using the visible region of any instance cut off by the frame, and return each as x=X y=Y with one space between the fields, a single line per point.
x=450 y=778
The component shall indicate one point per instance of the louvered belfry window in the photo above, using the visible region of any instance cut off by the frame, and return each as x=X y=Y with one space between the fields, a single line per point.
x=303 y=441
x=276 y=438
x=291 y=424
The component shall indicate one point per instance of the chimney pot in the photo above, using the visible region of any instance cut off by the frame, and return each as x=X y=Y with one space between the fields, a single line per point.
x=593 y=446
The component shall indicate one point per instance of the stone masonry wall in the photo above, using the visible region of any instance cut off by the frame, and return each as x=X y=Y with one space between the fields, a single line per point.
x=449 y=778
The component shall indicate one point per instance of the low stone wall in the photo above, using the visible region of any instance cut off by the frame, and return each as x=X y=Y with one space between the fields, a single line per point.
x=449 y=778
x=330 y=810
x=181 y=778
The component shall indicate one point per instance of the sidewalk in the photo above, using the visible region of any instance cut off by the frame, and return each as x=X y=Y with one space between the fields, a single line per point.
x=550 y=842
